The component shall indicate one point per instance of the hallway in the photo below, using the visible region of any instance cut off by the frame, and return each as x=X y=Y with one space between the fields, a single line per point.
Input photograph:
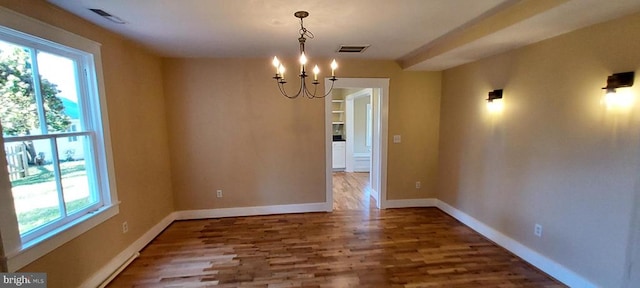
x=352 y=191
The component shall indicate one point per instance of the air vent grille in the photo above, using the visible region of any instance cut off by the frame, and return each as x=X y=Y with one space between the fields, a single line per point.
x=352 y=48
x=100 y=12
x=108 y=16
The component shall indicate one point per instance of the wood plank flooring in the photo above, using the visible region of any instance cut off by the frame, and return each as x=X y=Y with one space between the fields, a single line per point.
x=411 y=247
x=351 y=191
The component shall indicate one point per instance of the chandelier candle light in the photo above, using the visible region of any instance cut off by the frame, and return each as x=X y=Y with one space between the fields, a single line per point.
x=303 y=89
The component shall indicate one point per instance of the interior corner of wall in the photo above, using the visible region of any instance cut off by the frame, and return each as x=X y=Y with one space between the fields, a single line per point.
x=3 y=259
x=3 y=265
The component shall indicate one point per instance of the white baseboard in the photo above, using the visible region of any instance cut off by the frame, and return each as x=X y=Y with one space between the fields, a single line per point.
x=536 y=259
x=115 y=264
x=406 y=203
x=251 y=211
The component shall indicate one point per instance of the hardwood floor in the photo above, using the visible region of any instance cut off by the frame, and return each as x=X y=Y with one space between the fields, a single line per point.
x=411 y=247
x=351 y=191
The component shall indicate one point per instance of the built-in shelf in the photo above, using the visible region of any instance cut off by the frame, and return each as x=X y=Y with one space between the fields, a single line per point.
x=338 y=117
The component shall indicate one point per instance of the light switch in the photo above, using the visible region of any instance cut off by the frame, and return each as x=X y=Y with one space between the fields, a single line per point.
x=397 y=139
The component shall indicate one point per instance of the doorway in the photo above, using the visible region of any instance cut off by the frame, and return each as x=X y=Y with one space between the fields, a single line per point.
x=379 y=88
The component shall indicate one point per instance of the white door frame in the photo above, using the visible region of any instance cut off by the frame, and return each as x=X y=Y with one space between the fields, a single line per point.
x=380 y=129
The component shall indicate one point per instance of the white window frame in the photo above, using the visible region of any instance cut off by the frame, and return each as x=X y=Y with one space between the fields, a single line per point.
x=18 y=252
x=73 y=128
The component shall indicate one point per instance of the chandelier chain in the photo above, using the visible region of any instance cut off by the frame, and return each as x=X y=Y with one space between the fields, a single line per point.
x=304 y=31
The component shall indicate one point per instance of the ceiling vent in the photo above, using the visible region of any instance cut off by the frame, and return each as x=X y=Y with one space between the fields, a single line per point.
x=108 y=16
x=352 y=48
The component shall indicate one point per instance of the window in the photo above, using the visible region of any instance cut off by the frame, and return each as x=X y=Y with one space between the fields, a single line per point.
x=49 y=143
x=52 y=128
x=73 y=128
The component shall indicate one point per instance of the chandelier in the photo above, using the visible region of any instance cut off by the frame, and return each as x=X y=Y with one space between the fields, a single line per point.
x=304 y=88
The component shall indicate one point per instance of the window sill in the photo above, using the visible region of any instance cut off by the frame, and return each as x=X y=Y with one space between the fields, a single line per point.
x=38 y=247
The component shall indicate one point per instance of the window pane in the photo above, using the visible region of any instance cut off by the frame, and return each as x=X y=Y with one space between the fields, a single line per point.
x=18 y=109
x=75 y=183
x=59 y=91
x=33 y=185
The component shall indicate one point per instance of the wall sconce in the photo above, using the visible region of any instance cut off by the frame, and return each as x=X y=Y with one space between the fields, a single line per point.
x=612 y=97
x=494 y=102
x=495 y=94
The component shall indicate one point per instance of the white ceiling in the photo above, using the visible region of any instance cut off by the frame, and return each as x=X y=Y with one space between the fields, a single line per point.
x=408 y=31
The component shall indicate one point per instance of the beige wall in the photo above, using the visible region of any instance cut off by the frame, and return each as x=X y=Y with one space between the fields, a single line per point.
x=414 y=113
x=232 y=130
x=3 y=260
x=133 y=83
x=555 y=156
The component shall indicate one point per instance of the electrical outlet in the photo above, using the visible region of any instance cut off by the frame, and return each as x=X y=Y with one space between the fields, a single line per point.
x=219 y=193
x=125 y=227
x=397 y=138
x=418 y=185
x=537 y=230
